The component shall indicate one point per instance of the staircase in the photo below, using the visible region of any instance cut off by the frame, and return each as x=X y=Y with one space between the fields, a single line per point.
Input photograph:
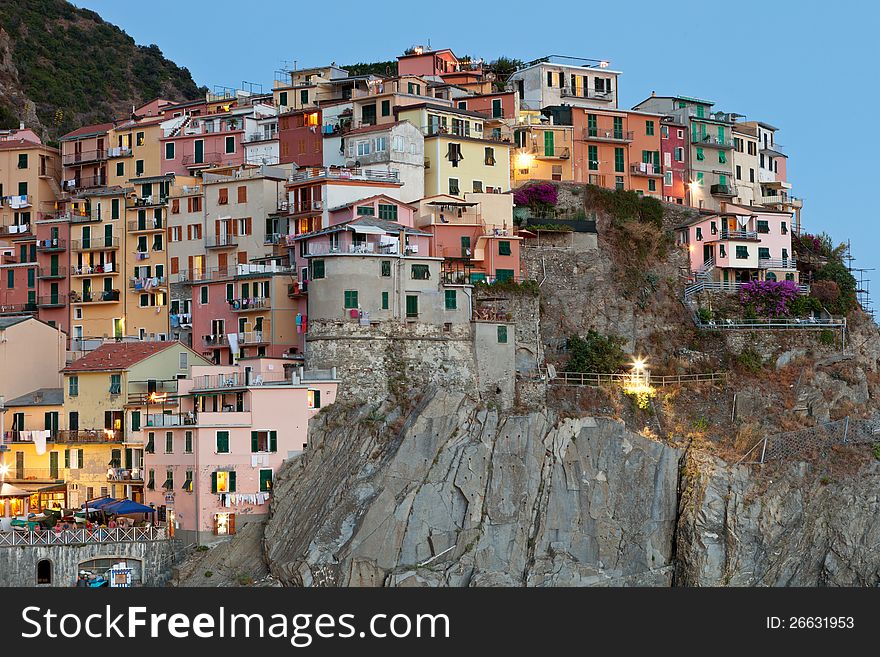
x=704 y=273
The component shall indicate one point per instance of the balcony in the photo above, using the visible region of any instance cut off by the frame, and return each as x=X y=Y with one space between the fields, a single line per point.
x=84 y=536
x=237 y=379
x=18 y=436
x=51 y=273
x=599 y=134
x=553 y=153
x=83 y=157
x=146 y=201
x=777 y=263
x=152 y=392
x=722 y=190
x=95 y=244
x=260 y=136
x=88 y=270
x=327 y=173
x=147 y=283
x=170 y=420
x=52 y=301
x=221 y=241
x=18 y=308
x=739 y=235
x=298 y=289
x=148 y=225
x=646 y=169
x=15 y=230
x=42 y=475
x=247 y=305
x=206 y=160
x=54 y=245
x=712 y=141
x=84 y=182
x=83 y=218
x=89 y=436
x=779 y=200
x=247 y=338
x=135 y=475
x=106 y=296
x=605 y=95
x=119 y=151
x=233 y=271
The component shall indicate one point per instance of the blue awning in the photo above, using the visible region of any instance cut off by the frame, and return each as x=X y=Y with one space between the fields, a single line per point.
x=124 y=507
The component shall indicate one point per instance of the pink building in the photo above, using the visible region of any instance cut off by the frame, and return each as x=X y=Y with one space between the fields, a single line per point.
x=84 y=157
x=740 y=244
x=674 y=150
x=194 y=143
x=211 y=466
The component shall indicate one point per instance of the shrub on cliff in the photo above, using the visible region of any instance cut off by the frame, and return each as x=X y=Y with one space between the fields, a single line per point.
x=595 y=352
x=769 y=298
x=837 y=273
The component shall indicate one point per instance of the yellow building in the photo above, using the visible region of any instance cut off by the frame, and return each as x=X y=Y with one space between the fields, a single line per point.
x=29 y=172
x=543 y=152
x=135 y=151
x=458 y=157
x=104 y=394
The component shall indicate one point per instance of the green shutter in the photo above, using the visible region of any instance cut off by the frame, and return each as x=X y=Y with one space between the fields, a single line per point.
x=67 y=458
x=503 y=247
x=548 y=143
x=222 y=442
x=213 y=482
x=593 y=157
x=502 y=334
x=273 y=441
x=384 y=301
x=619 y=160
x=128 y=458
x=412 y=305
x=316 y=395
x=255 y=442
x=135 y=420
x=265 y=481
x=451 y=298
x=232 y=481
x=317 y=269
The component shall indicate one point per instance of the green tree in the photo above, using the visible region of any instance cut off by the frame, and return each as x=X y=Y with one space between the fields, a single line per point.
x=838 y=273
x=595 y=352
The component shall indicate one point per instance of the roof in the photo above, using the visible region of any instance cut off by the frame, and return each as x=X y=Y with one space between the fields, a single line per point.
x=87 y=131
x=427 y=52
x=41 y=397
x=6 y=322
x=118 y=356
x=367 y=200
x=22 y=144
x=388 y=226
x=440 y=108
x=374 y=128
x=8 y=490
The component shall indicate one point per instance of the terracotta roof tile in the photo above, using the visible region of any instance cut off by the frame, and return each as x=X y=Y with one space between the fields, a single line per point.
x=93 y=129
x=117 y=356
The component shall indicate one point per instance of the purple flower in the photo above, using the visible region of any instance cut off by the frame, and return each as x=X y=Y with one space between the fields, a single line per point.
x=539 y=194
x=769 y=298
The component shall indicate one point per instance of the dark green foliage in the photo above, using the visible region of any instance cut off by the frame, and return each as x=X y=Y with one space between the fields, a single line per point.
x=804 y=306
x=503 y=68
x=704 y=314
x=525 y=287
x=826 y=337
x=837 y=272
x=750 y=360
x=626 y=205
x=386 y=69
x=596 y=353
x=79 y=69
x=8 y=118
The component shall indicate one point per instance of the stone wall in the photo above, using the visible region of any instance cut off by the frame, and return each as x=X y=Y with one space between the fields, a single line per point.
x=523 y=309
x=18 y=565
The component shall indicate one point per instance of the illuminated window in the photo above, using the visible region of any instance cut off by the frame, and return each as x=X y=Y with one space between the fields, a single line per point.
x=224 y=524
x=314 y=398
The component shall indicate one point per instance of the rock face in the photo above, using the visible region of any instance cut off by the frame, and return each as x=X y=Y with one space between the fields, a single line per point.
x=794 y=528
x=457 y=496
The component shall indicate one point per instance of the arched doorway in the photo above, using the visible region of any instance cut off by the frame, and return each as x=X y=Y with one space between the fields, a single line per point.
x=44 y=572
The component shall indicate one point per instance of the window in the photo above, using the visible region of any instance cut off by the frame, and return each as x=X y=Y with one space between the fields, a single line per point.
x=388 y=211
x=784 y=228
x=504 y=247
x=386 y=108
x=384 y=301
x=667 y=178
x=502 y=335
x=593 y=157
x=44 y=569
x=649 y=128
x=22 y=189
x=490 y=156
x=224 y=524
x=22 y=160
x=242 y=194
x=751 y=175
x=742 y=252
x=478 y=186
x=619 y=160
x=314 y=398
x=317 y=269
x=168 y=484
x=679 y=154
x=350 y=299
x=453 y=186
x=304 y=96
x=699 y=234
x=451 y=299
x=139 y=139
x=420 y=273
x=265 y=481
x=169 y=150
x=282 y=98
x=223 y=481
x=73 y=386
x=169 y=442
x=264 y=441
x=700 y=154
x=763 y=226
x=120 y=169
x=722 y=157
x=222 y=196
x=223 y=442
x=763 y=252
x=664 y=131
x=652 y=185
x=618 y=183
x=203 y=294
x=230 y=144
x=188 y=442
x=412 y=305
x=115 y=384
x=738 y=172
x=386 y=268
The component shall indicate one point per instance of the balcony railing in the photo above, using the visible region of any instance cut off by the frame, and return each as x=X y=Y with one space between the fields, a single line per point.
x=52 y=301
x=83 y=536
x=220 y=241
x=23 y=436
x=245 y=305
x=148 y=224
x=739 y=234
x=260 y=136
x=88 y=270
x=556 y=152
x=317 y=173
x=83 y=217
x=35 y=474
x=146 y=201
x=455 y=130
x=105 y=296
x=263 y=336
x=15 y=229
x=232 y=271
x=90 y=436
x=16 y=308
x=83 y=182
x=793 y=201
x=84 y=156
x=238 y=380
x=47 y=246
x=146 y=283
x=645 y=169
x=722 y=190
x=586 y=92
x=711 y=140
x=207 y=159
x=171 y=419
x=48 y=273
x=777 y=263
x=95 y=243
x=151 y=392
x=601 y=134
x=119 y=151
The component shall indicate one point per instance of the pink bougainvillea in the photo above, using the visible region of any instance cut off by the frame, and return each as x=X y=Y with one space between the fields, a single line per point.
x=769 y=298
x=537 y=195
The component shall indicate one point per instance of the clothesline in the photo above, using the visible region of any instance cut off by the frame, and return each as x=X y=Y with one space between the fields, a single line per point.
x=228 y=500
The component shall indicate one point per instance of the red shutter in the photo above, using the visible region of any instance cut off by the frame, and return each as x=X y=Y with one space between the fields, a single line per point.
x=242 y=257
x=217 y=227
x=175 y=266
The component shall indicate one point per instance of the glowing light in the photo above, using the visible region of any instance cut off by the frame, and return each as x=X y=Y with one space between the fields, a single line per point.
x=3 y=469
x=639 y=364
x=693 y=185
x=524 y=160
x=156 y=398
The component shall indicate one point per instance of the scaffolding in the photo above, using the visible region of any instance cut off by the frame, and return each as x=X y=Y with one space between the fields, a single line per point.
x=863 y=282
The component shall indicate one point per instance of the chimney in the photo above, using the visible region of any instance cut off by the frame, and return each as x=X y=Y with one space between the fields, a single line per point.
x=21 y=125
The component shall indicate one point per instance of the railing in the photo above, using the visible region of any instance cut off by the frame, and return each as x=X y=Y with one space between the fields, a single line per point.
x=313 y=173
x=14 y=308
x=597 y=379
x=608 y=135
x=794 y=201
x=245 y=338
x=150 y=224
x=86 y=270
x=645 y=169
x=722 y=190
x=147 y=283
x=260 y=136
x=51 y=245
x=586 y=92
x=123 y=474
x=220 y=241
x=82 y=218
x=170 y=419
x=98 y=242
x=84 y=156
x=119 y=151
x=364 y=248
x=244 y=305
x=35 y=474
x=104 y=296
x=15 y=229
x=50 y=301
x=739 y=235
x=456 y=130
x=89 y=436
x=815 y=323
x=557 y=152
x=207 y=159
x=725 y=286
x=147 y=201
x=233 y=271
x=711 y=140
x=82 y=536
x=84 y=182
x=19 y=436
x=139 y=391
x=238 y=380
x=777 y=263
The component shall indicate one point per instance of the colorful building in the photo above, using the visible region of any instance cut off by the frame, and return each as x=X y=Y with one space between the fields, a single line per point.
x=544 y=151
x=675 y=151
x=211 y=462
x=573 y=81
x=31 y=354
x=84 y=157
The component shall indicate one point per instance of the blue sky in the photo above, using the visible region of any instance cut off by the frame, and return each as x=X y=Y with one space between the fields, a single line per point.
x=807 y=67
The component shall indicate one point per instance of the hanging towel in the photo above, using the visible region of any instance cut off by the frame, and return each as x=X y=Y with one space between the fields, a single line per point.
x=39 y=438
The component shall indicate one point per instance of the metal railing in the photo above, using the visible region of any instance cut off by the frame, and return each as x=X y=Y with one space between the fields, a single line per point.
x=597 y=379
x=87 y=270
x=815 y=323
x=35 y=474
x=48 y=537
x=260 y=136
x=54 y=244
x=103 y=296
x=250 y=303
x=711 y=140
x=586 y=92
x=722 y=190
x=15 y=229
x=602 y=134
x=147 y=201
x=94 y=243
x=170 y=419
x=233 y=271
x=89 y=436
x=14 y=308
x=206 y=159
x=238 y=380
x=725 y=286
x=777 y=263
x=341 y=173
x=150 y=224
x=739 y=235
x=52 y=301
x=146 y=283
x=82 y=217
x=220 y=241
x=645 y=169
x=556 y=152
x=84 y=156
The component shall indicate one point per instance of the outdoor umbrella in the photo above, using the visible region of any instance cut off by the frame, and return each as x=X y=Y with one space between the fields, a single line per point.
x=98 y=505
x=126 y=507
